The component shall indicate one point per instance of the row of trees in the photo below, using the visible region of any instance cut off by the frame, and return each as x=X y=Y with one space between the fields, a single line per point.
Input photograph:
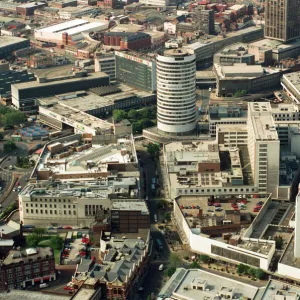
x=11 y=117
x=139 y=119
x=253 y=272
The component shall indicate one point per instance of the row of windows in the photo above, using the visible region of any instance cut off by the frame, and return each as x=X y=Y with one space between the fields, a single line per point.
x=50 y=200
x=51 y=212
x=218 y=190
x=46 y=205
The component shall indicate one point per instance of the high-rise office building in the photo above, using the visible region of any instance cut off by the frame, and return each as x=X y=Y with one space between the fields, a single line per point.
x=263 y=147
x=176 y=91
x=205 y=20
x=282 y=21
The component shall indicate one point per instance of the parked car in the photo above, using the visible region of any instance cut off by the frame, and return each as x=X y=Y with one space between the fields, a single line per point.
x=161 y=267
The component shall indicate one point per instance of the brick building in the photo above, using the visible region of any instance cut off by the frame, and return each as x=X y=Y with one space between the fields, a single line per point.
x=22 y=268
x=63 y=3
x=107 y=3
x=28 y=9
x=128 y=40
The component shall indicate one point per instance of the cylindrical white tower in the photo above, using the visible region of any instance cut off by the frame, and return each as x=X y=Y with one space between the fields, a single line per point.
x=176 y=91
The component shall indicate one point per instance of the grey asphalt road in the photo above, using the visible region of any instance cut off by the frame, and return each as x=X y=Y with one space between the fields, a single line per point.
x=154 y=279
x=6 y=174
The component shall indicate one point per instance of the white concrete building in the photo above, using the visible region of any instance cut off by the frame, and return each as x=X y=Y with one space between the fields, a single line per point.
x=263 y=147
x=71 y=12
x=176 y=91
x=291 y=85
x=86 y=181
x=68 y=31
x=159 y=3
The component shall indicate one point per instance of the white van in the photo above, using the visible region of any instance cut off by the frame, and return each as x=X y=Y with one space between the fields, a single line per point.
x=43 y=285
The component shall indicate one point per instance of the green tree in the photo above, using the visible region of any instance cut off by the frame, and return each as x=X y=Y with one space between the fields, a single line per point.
x=170 y=271
x=149 y=297
x=12 y=118
x=161 y=204
x=148 y=113
x=260 y=274
x=1 y=136
x=194 y=265
x=9 y=146
x=204 y=258
x=251 y=272
x=56 y=242
x=241 y=268
x=137 y=127
x=167 y=216
x=146 y=123
x=153 y=149
x=278 y=242
x=175 y=260
x=133 y=114
x=32 y=240
x=119 y=115
x=39 y=231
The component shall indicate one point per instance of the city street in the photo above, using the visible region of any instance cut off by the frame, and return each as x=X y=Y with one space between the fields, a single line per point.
x=154 y=279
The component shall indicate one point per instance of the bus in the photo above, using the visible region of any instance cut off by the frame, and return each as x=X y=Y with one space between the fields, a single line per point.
x=159 y=245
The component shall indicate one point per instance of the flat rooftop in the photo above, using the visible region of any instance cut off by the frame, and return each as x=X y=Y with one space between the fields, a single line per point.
x=31 y=295
x=90 y=100
x=260 y=114
x=276 y=46
x=288 y=257
x=31 y=4
x=10 y=40
x=280 y=290
x=211 y=216
x=212 y=39
x=84 y=293
x=16 y=256
x=293 y=79
x=62 y=26
x=180 y=285
x=131 y=205
x=177 y=52
x=79 y=117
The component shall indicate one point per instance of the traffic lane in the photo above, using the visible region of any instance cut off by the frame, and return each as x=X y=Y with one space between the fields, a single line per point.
x=153 y=281
x=13 y=196
x=9 y=161
x=165 y=254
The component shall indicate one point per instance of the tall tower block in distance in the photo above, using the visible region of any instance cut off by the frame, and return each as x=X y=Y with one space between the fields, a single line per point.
x=282 y=20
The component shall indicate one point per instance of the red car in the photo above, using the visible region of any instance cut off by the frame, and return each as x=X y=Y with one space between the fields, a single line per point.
x=256 y=209
x=68 y=288
x=217 y=205
x=236 y=208
x=68 y=227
